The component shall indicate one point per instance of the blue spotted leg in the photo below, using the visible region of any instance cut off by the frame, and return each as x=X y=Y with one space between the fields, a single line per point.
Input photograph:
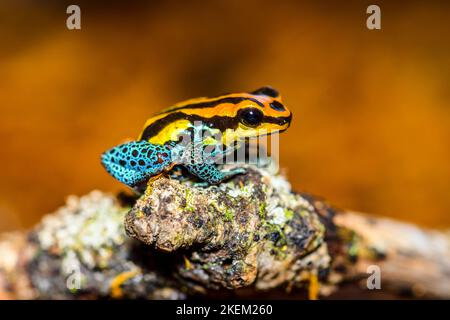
x=135 y=162
x=202 y=163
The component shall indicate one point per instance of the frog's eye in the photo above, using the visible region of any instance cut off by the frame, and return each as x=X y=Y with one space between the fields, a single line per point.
x=251 y=117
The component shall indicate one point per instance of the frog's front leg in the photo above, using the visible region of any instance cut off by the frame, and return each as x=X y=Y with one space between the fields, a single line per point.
x=135 y=162
x=200 y=160
x=208 y=172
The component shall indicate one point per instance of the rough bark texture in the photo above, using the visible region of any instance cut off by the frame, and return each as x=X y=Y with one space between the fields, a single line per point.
x=250 y=237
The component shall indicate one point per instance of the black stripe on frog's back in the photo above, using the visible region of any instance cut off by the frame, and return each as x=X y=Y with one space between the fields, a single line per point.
x=214 y=103
x=221 y=123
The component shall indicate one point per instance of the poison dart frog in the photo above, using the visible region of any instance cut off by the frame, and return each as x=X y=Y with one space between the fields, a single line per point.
x=215 y=127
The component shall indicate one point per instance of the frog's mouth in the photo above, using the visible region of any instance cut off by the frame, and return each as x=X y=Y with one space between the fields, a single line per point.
x=266 y=134
x=279 y=121
x=276 y=126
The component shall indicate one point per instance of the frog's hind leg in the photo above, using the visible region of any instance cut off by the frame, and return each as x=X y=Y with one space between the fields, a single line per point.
x=134 y=162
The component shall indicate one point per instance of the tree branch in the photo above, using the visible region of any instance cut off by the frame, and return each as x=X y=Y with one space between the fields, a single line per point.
x=251 y=236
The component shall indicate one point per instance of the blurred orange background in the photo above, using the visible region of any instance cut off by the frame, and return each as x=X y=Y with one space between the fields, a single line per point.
x=371 y=128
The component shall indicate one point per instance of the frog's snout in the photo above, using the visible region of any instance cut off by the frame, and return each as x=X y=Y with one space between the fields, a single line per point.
x=286 y=120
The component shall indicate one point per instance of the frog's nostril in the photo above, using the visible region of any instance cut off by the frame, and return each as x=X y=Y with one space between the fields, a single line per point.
x=285 y=120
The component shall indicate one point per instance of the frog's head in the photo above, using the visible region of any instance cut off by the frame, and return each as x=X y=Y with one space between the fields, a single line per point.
x=260 y=113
